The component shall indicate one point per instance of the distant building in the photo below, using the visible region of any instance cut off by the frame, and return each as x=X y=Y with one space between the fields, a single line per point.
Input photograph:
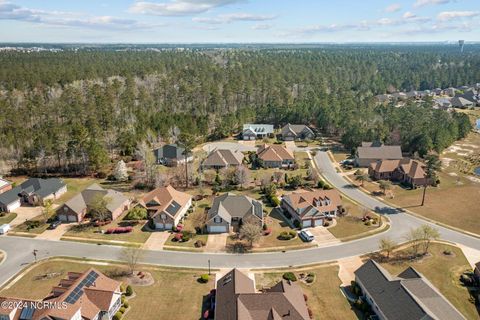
x=408 y=296
x=256 y=131
x=291 y=132
x=172 y=155
x=5 y=186
x=408 y=171
x=236 y=299
x=223 y=158
x=462 y=103
x=370 y=152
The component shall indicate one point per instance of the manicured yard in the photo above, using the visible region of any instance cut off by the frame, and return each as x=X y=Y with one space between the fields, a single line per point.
x=74 y=186
x=324 y=296
x=351 y=225
x=90 y=232
x=7 y=217
x=178 y=290
x=37 y=230
x=443 y=271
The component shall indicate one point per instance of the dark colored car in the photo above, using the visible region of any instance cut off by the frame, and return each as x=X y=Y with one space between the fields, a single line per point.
x=54 y=224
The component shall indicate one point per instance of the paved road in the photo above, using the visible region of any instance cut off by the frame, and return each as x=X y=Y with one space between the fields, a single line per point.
x=19 y=250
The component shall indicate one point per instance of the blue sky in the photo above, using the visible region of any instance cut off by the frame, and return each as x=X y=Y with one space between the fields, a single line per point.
x=180 y=21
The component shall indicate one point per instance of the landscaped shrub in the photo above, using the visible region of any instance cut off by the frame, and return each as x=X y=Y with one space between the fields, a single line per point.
x=199 y=243
x=124 y=299
x=326 y=224
x=186 y=236
x=119 y=230
x=267 y=232
x=305 y=297
x=289 y=276
x=292 y=234
x=274 y=201
x=296 y=223
x=126 y=304
x=136 y=213
x=122 y=309
x=178 y=237
x=310 y=313
x=117 y=316
x=204 y=278
x=128 y=291
x=264 y=227
x=32 y=224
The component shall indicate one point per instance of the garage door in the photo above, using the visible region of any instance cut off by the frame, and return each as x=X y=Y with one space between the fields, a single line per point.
x=62 y=217
x=72 y=218
x=319 y=222
x=161 y=226
x=217 y=229
x=307 y=223
x=11 y=207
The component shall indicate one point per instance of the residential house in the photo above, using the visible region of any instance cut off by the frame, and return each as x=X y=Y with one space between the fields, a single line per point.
x=399 y=96
x=312 y=207
x=5 y=186
x=172 y=155
x=408 y=171
x=370 y=152
x=34 y=191
x=275 y=156
x=450 y=91
x=229 y=211
x=223 y=158
x=75 y=209
x=80 y=296
x=413 y=94
x=476 y=273
x=291 y=132
x=237 y=299
x=442 y=103
x=256 y=131
x=462 y=103
x=166 y=206
x=408 y=296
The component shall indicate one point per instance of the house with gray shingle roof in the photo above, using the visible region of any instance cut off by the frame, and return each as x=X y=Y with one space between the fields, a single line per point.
x=75 y=209
x=256 y=131
x=34 y=191
x=171 y=155
x=229 y=211
x=291 y=132
x=408 y=296
x=223 y=158
x=236 y=299
x=461 y=102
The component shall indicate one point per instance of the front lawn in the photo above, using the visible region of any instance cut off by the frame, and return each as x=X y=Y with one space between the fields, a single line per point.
x=176 y=293
x=7 y=217
x=324 y=296
x=443 y=271
x=89 y=231
x=36 y=225
x=74 y=186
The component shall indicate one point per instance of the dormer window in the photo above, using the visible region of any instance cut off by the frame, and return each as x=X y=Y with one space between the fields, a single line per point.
x=217 y=220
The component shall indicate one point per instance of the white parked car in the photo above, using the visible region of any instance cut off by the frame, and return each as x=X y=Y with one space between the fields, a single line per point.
x=306 y=236
x=4 y=228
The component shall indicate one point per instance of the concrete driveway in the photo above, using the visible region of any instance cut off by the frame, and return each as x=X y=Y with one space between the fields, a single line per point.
x=56 y=233
x=323 y=237
x=233 y=146
x=216 y=242
x=156 y=241
x=347 y=267
x=25 y=213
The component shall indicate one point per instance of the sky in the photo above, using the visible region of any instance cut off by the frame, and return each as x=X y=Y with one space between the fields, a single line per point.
x=238 y=21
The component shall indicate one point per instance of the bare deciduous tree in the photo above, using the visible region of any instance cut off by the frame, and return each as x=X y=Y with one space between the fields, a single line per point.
x=132 y=256
x=386 y=245
x=251 y=230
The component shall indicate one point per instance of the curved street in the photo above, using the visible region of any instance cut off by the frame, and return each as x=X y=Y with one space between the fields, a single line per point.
x=19 y=250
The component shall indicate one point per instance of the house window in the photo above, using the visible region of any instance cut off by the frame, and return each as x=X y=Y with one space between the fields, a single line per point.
x=217 y=220
x=65 y=209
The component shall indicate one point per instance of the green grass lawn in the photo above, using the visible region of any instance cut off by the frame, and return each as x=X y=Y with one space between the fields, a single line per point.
x=7 y=217
x=443 y=272
x=324 y=296
x=90 y=232
x=74 y=186
x=351 y=225
x=23 y=227
x=177 y=289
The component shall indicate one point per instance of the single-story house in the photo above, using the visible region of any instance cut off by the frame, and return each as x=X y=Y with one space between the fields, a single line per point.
x=442 y=103
x=166 y=206
x=237 y=299
x=370 y=152
x=407 y=296
x=34 y=191
x=312 y=207
x=476 y=272
x=5 y=186
x=75 y=209
x=223 y=158
x=407 y=171
x=291 y=132
x=450 y=91
x=413 y=94
x=89 y=295
x=171 y=155
x=229 y=211
x=462 y=103
x=399 y=96
x=275 y=156
x=256 y=131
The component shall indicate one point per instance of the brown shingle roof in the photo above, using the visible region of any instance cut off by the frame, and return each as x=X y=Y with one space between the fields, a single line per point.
x=274 y=152
x=319 y=201
x=160 y=199
x=223 y=158
x=379 y=152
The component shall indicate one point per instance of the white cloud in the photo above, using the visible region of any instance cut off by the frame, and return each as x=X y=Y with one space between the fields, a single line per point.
x=262 y=27
x=393 y=8
x=423 y=3
x=450 y=15
x=10 y=11
x=232 y=17
x=179 y=7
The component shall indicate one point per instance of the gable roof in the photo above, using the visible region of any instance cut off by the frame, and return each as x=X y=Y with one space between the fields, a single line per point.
x=83 y=199
x=4 y=183
x=258 y=128
x=223 y=158
x=230 y=205
x=165 y=200
x=461 y=102
x=314 y=203
x=370 y=150
x=274 y=152
x=41 y=187
x=414 y=169
x=236 y=299
x=10 y=196
x=408 y=296
x=170 y=151
x=295 y=129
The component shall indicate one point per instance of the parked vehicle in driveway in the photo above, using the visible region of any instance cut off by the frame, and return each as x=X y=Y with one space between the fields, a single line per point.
x=4 y=228
x=54 y=224
x=306 y=236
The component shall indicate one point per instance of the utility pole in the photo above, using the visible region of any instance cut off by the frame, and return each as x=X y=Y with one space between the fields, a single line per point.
x=209 y=273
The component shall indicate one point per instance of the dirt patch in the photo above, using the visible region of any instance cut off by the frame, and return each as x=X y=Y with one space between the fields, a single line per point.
x=140 y=278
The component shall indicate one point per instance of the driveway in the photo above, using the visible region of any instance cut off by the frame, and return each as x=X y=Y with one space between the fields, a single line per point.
x=56 y=233
x=323 y=237
x=347 y=267
x=25 y=213
x=233 y=146
x=156 y=241
x=216 y=242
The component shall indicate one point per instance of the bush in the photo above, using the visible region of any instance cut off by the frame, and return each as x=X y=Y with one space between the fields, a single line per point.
x=274 y=201
x=310 y=313
x=292 y=234
x=136 y=213
x=122 y=288
x=126 y=304
x=117 y=316
x=204 y=278
x=129 y=291
x=199 y=243
x=296 y=223
x=124 y=299
x=368 y=223
x=267 y=232
x=186 y=236
x=122 y=309
x=305 y=297
x=101 y=175
x=264 y=227
x=289 y=276
x=326 y=224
